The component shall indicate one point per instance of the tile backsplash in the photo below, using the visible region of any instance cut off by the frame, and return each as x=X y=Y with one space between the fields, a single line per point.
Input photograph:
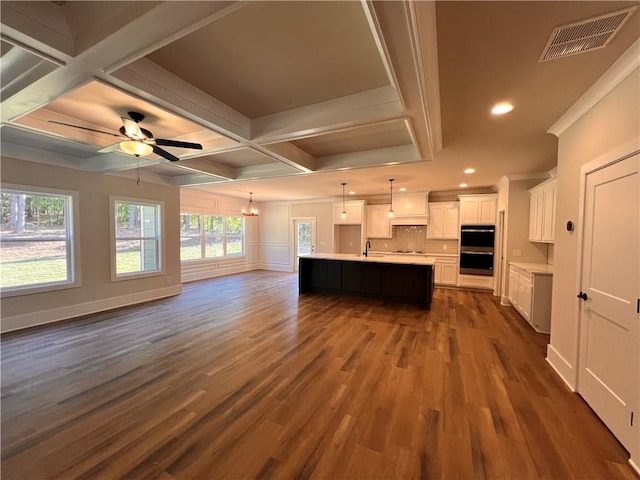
x=412 y=238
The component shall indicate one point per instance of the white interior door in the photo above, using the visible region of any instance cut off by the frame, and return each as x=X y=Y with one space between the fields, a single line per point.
x=609 y=358
x=304 y=238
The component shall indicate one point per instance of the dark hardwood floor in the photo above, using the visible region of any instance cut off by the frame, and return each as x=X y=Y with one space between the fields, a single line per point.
x=239 y=377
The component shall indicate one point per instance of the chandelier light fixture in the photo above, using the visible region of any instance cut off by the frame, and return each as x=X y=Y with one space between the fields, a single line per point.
x=251 y=210
x=391 y=197
x=344 y=210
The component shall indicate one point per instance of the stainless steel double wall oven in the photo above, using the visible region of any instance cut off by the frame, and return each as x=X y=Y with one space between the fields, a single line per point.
x=477 y=249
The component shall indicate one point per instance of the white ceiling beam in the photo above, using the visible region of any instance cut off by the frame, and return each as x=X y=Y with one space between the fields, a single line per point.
x=265 y=171
x=293 y=156
x=401 y=28
x=163 y=24
x=352 y=110
x=369 y=158
x=207 y=166
x=153 y=83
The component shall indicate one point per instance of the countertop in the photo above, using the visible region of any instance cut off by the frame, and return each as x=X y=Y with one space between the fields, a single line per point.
x=377 y=257
x=430 y=254
x=535 y=268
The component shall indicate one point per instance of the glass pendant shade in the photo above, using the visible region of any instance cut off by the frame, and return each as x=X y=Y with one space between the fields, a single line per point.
x=134 y=147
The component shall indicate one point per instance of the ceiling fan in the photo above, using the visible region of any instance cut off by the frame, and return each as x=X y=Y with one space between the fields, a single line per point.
x=136 y=140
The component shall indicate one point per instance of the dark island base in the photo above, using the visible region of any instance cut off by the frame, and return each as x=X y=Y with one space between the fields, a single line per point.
x=390 y=281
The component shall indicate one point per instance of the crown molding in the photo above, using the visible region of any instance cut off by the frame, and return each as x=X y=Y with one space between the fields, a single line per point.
x=621 y=69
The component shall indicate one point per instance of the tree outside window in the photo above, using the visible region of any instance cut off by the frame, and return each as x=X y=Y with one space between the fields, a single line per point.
x=210 y=236
x=36 y=238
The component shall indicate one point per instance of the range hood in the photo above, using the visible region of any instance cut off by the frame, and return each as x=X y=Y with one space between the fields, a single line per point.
x=409 y=220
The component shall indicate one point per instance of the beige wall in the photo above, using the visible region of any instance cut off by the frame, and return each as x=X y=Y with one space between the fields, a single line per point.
x=323 y=213
x=518 y=225
x=97 y=291
x=276 y=242
x=609 y=125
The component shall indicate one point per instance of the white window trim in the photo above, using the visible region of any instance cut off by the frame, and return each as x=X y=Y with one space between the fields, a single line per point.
x=73 y=243
x=112 y=238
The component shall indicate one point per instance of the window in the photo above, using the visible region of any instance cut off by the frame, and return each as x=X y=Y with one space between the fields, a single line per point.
x=137 y=238
x=36 y=235
x=210 y=236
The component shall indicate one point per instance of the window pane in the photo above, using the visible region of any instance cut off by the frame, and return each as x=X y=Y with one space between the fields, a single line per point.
x=234 y=225
x=149 y=224
x=213 y=225
x=234 y=245
x=190 y=248
x=36 y=243
x=214 y=246
x=190 y=224
x=127 y=220
x=32 y=263
x=137 y=238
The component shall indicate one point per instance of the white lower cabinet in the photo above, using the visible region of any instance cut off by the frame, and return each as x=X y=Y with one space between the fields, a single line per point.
x=484 y=282
x=530 y=295
x=446 y=271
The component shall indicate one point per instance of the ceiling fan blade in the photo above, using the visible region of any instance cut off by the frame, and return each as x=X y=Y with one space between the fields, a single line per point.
x=163 y=153
x=175 y=143
x=132 y=129
x=84 y=128
x=109 y=148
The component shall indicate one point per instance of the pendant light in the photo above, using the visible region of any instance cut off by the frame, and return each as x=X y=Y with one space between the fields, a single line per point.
x=251 y=210
x=391 y=197
x=344 y=210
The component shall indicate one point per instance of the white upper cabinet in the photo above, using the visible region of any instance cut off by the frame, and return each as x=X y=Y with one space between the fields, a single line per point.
x=443 y=220
x=354 y=210
x=478 y=209
x=542 y=212
x=378 y=224
x=405 y=205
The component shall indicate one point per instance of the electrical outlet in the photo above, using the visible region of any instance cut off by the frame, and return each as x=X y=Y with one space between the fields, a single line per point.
x=517 y=252
x=386 y=245
x=168 y=279
x=444 y=247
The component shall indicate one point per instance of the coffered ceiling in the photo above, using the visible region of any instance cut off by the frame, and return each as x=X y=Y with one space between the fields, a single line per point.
x=289 y=99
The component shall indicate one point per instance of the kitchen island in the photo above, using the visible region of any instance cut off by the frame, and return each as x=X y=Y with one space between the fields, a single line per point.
x=395 y=277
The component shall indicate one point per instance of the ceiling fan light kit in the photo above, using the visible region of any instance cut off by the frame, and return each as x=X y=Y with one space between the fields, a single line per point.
x=139 y=141
x=136 y=147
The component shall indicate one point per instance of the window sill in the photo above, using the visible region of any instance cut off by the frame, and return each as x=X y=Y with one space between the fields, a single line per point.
x=19 y=291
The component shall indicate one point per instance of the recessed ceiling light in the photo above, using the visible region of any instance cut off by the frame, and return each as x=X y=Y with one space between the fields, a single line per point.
x=469 y=170
x=502 y=108
x=352 y=193
x=402 y=189
x=463 y=185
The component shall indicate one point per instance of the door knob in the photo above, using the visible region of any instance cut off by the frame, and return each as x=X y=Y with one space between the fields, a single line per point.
x=582 y=295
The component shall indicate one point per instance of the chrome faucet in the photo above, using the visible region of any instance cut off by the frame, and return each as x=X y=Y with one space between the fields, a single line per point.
x=367 y=246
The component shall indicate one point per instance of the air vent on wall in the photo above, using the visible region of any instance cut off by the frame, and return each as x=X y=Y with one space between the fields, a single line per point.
x=585 y=35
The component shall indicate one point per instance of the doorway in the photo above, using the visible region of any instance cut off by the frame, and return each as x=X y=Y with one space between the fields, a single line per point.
x=304 y=239
x=609 y=296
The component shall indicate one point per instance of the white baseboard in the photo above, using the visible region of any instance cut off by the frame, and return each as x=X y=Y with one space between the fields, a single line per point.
x=191 y=274
x=43 y=317
x=635 y=466
x=278 y=267
x=563 y=368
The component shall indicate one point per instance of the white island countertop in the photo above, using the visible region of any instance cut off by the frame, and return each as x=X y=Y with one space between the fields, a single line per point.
x=376 y=257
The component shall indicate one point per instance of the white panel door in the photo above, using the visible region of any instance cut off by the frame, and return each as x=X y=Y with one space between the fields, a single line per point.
x=609 y=358
x=304 y=238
